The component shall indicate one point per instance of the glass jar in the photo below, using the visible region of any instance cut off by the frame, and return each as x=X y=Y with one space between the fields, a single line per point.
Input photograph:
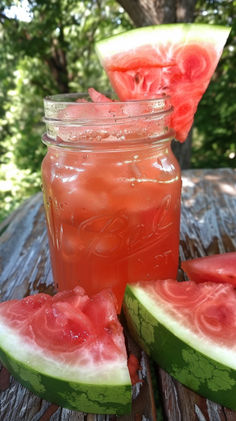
x=112 y=190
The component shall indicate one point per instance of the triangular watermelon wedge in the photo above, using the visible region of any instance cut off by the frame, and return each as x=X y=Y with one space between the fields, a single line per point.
x=174 y=59
x=69 y=349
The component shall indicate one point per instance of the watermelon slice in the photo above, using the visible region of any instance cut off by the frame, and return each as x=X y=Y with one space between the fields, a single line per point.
x=174 y=59
x=216 y=268
x=190 y=330
x=60 y=349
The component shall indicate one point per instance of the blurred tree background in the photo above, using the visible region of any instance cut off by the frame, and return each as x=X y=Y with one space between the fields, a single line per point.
x=47 y=47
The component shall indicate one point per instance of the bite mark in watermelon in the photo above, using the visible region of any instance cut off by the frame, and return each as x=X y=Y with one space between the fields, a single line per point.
x=174 y=59
x=60 y=349
x=190 y=331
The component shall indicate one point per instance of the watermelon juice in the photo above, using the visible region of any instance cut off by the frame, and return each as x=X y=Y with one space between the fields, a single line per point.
x=112 y=193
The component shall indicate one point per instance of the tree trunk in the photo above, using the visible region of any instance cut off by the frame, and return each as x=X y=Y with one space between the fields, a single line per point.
x=182 y=151
x=155 y=12
x=57 y=64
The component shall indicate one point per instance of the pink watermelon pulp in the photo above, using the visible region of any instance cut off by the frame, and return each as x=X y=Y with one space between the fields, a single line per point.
x=209 y=309
x=175 y=60
x=70 y=349
x=67 y=324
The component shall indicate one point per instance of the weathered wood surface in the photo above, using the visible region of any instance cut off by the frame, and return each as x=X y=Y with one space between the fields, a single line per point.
x=208 y=226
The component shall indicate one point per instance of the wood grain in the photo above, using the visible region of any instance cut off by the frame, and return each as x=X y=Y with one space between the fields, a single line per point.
x=208 y=226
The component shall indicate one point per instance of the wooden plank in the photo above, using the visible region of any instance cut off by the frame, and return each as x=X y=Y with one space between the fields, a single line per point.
x=208 y=223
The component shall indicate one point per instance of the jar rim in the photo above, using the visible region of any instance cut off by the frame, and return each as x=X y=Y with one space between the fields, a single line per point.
x=60 y=109
x=71 y=118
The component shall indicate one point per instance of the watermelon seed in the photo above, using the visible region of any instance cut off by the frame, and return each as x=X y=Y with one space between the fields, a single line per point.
x=137 y=77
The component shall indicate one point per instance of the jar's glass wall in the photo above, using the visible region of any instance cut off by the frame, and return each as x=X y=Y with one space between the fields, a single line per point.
x=112 y=205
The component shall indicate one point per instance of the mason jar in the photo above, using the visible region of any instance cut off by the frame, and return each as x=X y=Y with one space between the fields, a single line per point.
x=111 y=188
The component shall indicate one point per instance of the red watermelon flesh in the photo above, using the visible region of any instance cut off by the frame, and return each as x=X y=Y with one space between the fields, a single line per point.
x=220 y=268
x=209 y=309
x=183 y=72
x=97 y=96
x=176 y=60
x=70 y=325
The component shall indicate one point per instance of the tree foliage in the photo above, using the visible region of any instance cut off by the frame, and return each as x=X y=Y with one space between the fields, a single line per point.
x=215 y=127
x=53 y=51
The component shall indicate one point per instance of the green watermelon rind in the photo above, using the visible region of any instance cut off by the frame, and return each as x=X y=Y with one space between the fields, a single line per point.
x=184 y=355
x=152 y=35
x=96 y=396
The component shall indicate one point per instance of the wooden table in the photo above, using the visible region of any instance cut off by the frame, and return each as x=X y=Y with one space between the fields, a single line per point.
x=208 y=226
